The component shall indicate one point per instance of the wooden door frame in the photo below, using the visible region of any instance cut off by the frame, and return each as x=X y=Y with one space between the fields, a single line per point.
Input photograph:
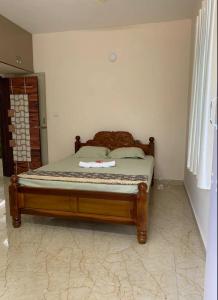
x=6 y=136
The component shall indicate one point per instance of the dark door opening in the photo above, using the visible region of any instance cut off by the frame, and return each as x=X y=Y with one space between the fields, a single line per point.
x=20 y=124
x=6 y=136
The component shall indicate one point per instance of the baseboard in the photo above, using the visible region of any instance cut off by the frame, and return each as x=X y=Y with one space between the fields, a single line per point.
x=196 y=219
x=169 y=181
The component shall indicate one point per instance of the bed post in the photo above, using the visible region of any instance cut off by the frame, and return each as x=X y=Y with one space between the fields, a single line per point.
x=14 y=206
x=151 y=145
x=142 y=207
x=77 y=143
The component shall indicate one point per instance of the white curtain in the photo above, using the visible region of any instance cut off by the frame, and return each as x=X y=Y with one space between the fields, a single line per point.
x=200 y=129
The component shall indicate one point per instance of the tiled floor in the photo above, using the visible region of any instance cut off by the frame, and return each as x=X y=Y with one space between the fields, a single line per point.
x=52 y=259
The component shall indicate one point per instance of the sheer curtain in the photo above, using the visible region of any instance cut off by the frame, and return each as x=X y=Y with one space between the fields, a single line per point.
x=200 y=128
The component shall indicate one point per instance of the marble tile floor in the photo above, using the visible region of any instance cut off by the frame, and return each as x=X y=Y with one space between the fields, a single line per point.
x=54 y=259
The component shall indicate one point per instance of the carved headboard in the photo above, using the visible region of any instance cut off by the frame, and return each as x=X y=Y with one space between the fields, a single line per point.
x=116 y=139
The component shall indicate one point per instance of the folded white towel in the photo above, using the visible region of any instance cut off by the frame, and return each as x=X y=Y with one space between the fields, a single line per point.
x=95 y=164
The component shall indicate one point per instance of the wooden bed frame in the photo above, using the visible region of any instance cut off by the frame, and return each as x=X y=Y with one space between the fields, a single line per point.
x=89 y=205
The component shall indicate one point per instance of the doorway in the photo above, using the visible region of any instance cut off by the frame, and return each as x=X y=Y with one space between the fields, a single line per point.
x=6 y=136
x=21 y=114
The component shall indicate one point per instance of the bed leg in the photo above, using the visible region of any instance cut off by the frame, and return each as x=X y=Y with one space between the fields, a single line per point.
x=17 y=221
x=142 y=213
x=14 y=207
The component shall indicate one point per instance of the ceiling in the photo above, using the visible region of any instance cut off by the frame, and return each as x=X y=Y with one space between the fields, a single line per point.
x=38 y=16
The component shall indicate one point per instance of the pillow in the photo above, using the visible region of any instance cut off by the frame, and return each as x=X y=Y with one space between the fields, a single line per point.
x=92 y=152
x=127 y=152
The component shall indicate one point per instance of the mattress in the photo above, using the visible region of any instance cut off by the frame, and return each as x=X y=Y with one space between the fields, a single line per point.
x=71 y=164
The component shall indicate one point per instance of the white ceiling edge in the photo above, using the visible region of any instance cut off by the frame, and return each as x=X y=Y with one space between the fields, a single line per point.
x=111 y=28
x=46 y=16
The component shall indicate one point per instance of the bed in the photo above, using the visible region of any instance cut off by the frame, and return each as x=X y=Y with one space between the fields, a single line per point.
x=116 y=203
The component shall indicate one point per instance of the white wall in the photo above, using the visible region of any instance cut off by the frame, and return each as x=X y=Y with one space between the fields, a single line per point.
x=144 y=92
x=210 y=291
x=200 y=202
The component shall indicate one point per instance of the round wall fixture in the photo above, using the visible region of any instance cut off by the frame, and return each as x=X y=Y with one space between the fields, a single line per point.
x=113 y=57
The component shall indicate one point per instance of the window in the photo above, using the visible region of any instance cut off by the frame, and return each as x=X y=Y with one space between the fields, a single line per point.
x=201 y=130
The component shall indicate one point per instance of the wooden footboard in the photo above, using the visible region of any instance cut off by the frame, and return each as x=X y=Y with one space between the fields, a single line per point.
x=88 y=205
